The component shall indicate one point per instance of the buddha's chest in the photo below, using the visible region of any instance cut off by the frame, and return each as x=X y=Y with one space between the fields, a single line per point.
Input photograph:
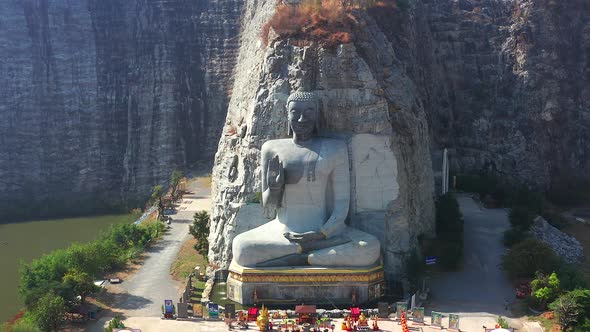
x=303 y=164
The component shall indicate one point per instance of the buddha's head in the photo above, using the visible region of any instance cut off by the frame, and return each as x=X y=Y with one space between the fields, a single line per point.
x=302 y=109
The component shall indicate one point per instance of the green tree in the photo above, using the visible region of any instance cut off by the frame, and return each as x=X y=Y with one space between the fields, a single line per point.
x=49 y=312
x=200 y=231
x=545 y=289
x=175 y=178
x=157 y=199
x=449 y=232
x=528 y=257
x=568 y=311
x=521 y=218
x=81 y=283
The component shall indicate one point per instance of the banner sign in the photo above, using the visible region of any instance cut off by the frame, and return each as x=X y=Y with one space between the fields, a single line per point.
x=213 y=310
x=168 y=307
x=383 y=309
x=418 y=315
x=436 y=319
x=453 y=322
x=197 y=310
x=399 y=308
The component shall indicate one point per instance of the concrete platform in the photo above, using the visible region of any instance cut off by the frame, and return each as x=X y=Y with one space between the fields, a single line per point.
x=319 y=285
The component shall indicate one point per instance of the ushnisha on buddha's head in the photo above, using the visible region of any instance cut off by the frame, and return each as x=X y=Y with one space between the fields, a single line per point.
x=302 y=108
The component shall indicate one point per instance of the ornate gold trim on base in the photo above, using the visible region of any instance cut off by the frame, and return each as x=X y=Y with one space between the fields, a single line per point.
x=304 y=283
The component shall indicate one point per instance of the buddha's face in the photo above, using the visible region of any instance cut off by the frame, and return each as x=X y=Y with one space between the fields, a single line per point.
x=302 y=117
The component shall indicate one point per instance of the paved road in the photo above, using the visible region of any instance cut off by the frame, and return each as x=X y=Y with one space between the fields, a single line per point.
x=152 y=284
x=481 y=286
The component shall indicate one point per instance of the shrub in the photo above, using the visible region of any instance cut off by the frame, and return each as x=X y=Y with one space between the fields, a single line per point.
x=328 y=22
x=554 y=218
x=449 y=219
x=571 y=276
x=449 y=231
x=49 y=313
x=513 y=236
x=569 y=311
x=521 y=218
x=524 y=197
x=115 y=323
x=545 y=289
x=528 y=257
x=569 y=190
x=502 y=322
x=415 y=270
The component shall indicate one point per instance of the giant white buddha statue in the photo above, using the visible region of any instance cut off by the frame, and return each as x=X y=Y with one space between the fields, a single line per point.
x=306 y=180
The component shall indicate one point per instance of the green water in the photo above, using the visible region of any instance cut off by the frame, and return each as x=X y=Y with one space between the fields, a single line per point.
x=219 y=296
x=25 y=241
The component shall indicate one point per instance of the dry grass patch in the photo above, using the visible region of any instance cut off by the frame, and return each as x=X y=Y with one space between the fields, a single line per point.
x=186 y=261
x=548 y=321
x=582 y=233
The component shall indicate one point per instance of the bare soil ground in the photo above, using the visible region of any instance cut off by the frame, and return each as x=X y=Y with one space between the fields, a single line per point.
x=582 y=233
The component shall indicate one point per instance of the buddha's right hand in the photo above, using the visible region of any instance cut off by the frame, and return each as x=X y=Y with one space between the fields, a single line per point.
x=275 y=177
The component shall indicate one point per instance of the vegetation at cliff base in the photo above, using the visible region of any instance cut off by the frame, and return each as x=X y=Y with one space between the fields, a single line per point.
x=65 y=277
x=447 y=247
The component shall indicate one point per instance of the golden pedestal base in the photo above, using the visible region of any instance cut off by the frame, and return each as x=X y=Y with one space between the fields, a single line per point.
x=298 y=285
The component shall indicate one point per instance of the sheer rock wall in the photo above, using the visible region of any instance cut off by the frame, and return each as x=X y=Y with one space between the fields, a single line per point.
x=505 y=84
x=502 y=84
x=102 y=99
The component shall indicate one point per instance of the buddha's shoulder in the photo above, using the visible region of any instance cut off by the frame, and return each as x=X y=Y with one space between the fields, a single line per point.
x=275 y=143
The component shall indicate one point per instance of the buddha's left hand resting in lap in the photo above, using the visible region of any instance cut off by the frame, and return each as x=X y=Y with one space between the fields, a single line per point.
x=306 y=181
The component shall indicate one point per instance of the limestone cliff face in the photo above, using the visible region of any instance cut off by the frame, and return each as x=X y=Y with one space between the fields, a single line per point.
x=505 y=84
x=101 y=99
x=363 y=91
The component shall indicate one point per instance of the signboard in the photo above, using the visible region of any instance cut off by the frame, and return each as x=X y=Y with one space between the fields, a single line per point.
x=168 y=307
x=383 y=308
x=399 y=308
x=182 y=311
x=230 y=310
x=418 y=315
x=436 y=319
x=430 y=260
x=197 y=310
x=213 y=310
x=453 y=322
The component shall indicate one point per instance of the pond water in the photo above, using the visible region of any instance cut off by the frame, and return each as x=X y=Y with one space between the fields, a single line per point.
x=219 y=295
x=25 y=241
